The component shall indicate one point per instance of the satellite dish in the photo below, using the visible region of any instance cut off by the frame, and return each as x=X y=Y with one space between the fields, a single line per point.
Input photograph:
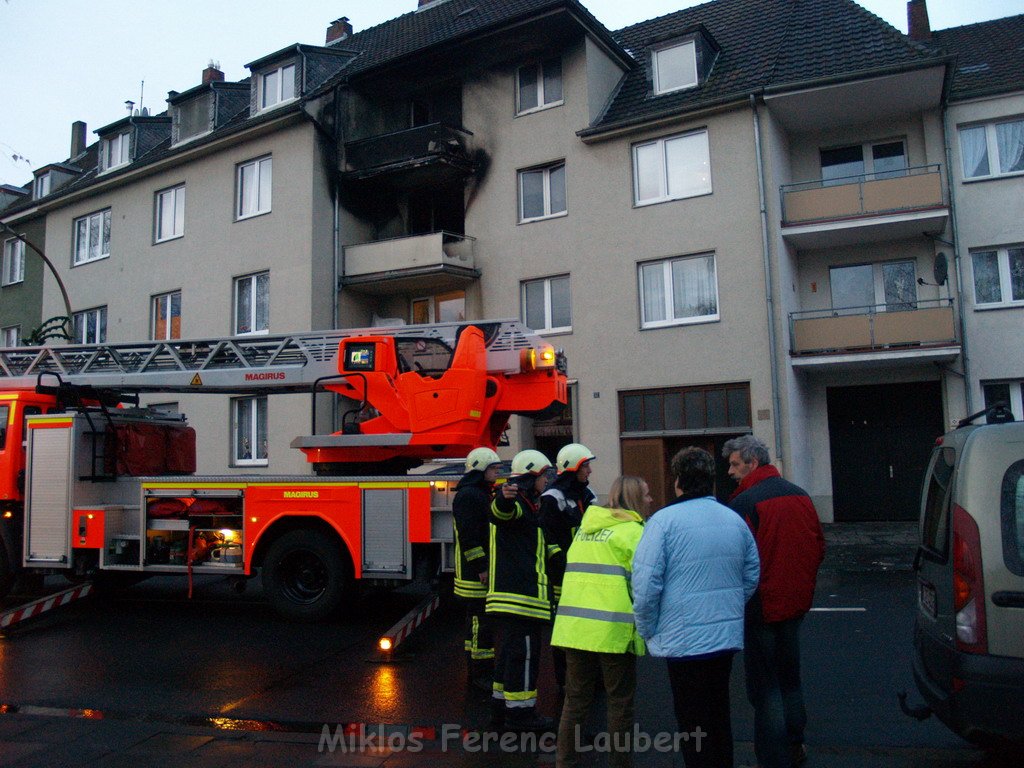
x=940 y=268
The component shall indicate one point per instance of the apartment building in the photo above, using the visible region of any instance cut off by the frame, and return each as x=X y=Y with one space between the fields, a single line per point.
x=732 y=222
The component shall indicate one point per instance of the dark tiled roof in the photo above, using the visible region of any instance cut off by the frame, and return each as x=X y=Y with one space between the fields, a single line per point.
x=765 y=44
x=990 y=56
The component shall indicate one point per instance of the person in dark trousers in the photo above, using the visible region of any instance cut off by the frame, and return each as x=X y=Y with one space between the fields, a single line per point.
x=791 y=546
x=519 y=593
x=562 y=507
x=694 y=569
x=471 y=510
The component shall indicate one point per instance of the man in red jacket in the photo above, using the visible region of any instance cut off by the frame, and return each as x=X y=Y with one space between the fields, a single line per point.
x=792 y=546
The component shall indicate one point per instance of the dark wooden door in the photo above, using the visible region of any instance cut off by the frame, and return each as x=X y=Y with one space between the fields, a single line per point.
x=880 y=438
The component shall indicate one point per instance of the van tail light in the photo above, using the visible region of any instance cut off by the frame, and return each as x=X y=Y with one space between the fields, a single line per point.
x=968 y=584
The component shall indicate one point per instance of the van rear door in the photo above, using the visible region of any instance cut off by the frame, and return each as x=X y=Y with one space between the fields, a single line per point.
x=1005 y=574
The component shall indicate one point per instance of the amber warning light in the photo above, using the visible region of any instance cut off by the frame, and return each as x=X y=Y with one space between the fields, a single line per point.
x=536 y=359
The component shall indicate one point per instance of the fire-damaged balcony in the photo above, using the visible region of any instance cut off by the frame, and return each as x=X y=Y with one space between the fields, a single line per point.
x=874 y=336
x=435 y=261
x=424 y=156
x=862 y=209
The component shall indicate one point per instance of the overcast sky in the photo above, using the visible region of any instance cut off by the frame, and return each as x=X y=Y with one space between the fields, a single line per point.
x=67 y=60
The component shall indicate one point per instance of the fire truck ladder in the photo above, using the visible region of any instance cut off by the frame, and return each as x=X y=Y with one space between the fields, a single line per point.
x=235 y=365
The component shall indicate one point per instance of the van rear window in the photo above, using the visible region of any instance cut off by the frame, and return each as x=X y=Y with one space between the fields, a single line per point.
x=935 y=526
x=1011 y=506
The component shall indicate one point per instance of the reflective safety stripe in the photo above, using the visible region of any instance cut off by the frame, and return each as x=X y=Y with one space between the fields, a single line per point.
x=594 y=613
x=606 y=570
x=474 y=554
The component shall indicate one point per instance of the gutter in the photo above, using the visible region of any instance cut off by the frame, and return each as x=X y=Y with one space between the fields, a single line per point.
x=773 y=353
x=667 y=115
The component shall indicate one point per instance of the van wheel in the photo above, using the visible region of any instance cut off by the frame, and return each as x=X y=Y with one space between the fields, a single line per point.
x=305 y=576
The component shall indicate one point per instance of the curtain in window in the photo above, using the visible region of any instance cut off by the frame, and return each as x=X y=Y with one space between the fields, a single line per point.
x=974 y=148
x=262 y=302
x=1016 y=257
x=654 y=292
x=693 y=287
x=1010 y=140
x=561 y=315
x=243 y=429
x=986 y=277
x=900 y=282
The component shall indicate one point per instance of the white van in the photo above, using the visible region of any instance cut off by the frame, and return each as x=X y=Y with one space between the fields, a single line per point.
x=969 y=629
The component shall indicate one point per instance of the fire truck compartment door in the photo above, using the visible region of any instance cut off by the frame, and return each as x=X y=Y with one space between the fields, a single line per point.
x=48 y=498
x=386 y=548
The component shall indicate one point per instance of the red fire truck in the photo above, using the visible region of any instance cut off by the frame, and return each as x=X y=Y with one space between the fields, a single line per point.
x=91 y=484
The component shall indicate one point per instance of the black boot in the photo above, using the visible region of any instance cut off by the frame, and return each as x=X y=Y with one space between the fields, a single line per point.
x=497 y=721
x=481 y=674
x=527 y=719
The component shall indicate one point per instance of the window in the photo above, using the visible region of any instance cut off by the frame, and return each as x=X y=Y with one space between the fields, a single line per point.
x=674 y=67
x=686 y=409
x=998 y=277
x=115 y=151
x=883 y=160
x=252 y=304
x=935 y=525
x=167 y=316
x=90 y=326
x=885 y=287
x=249 y=431
x=14 y=261
x=10 y=337
x=277 y=86
x=1011 y=507
x=545 y=304
x=995 y=149
x=1010 y=393
x=675 y=291
x=42 y=186
x=170 y=214
x=92 y=237
x=193 y=118
x=672 y=168
x=542 y=193
x=254 y=188
x=447 y=307
x=539 y=86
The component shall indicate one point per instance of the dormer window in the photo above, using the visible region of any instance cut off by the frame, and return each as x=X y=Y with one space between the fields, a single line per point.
x=115 y=151
x=42 y=188
x=539 y=86
x=277 y=86
x=193 y=118
x=674 y=67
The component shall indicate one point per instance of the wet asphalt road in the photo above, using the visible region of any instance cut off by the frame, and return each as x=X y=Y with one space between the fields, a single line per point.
x=149 y=654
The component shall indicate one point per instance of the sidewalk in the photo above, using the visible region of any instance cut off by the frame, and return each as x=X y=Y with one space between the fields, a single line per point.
x=870 y=546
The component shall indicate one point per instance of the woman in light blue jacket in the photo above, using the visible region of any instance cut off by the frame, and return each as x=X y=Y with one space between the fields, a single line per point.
x=693 y=572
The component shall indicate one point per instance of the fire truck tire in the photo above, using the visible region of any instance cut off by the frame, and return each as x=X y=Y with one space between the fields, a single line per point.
x=305 y=577
x=6 y=573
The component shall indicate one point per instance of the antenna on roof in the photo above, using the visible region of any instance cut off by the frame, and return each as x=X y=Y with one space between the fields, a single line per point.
x=142 y=90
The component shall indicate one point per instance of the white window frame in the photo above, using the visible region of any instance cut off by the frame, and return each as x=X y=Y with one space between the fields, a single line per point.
x=868 y=159
x=545 y=171
x=662 y=143
x=80 y=320
x=656 y=74
x=992 y=148
x=880 y=303
x=260 y=206
x=1005 y=278
x=164 y=301
x=669 y=297
x=43 y=185
x=541 y=95
x=13 y=262
x=278 y=96
x=546 y=283
x=257 y=458
x=115 y=151
x=105 y=222
x=249 y=284
x=10 y=336
x=176 y=197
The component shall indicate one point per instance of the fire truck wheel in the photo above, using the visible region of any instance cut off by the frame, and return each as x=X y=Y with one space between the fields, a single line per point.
x=6 y=574
x=305 y=577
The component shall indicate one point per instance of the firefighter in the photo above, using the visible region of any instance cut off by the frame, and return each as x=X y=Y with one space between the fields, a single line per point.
x=561 y=511
x=518 y=592
x=471 y=511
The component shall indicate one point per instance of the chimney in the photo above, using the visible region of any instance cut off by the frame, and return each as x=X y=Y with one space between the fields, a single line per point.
x=212 y=73
x=918 y=27
x=77 y=138
x=339 y=30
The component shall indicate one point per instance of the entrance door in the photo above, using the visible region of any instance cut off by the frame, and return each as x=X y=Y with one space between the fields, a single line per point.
x=880 y=439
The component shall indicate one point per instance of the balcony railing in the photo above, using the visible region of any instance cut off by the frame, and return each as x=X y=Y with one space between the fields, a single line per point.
x=871 y=194
x=408 y=256
x=436 y=139
x=872 y=328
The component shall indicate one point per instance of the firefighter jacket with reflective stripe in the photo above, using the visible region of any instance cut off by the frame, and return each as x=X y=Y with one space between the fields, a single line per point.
x=471 y=509
x=561 y=510
x=596 y=609
x=518 y=582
